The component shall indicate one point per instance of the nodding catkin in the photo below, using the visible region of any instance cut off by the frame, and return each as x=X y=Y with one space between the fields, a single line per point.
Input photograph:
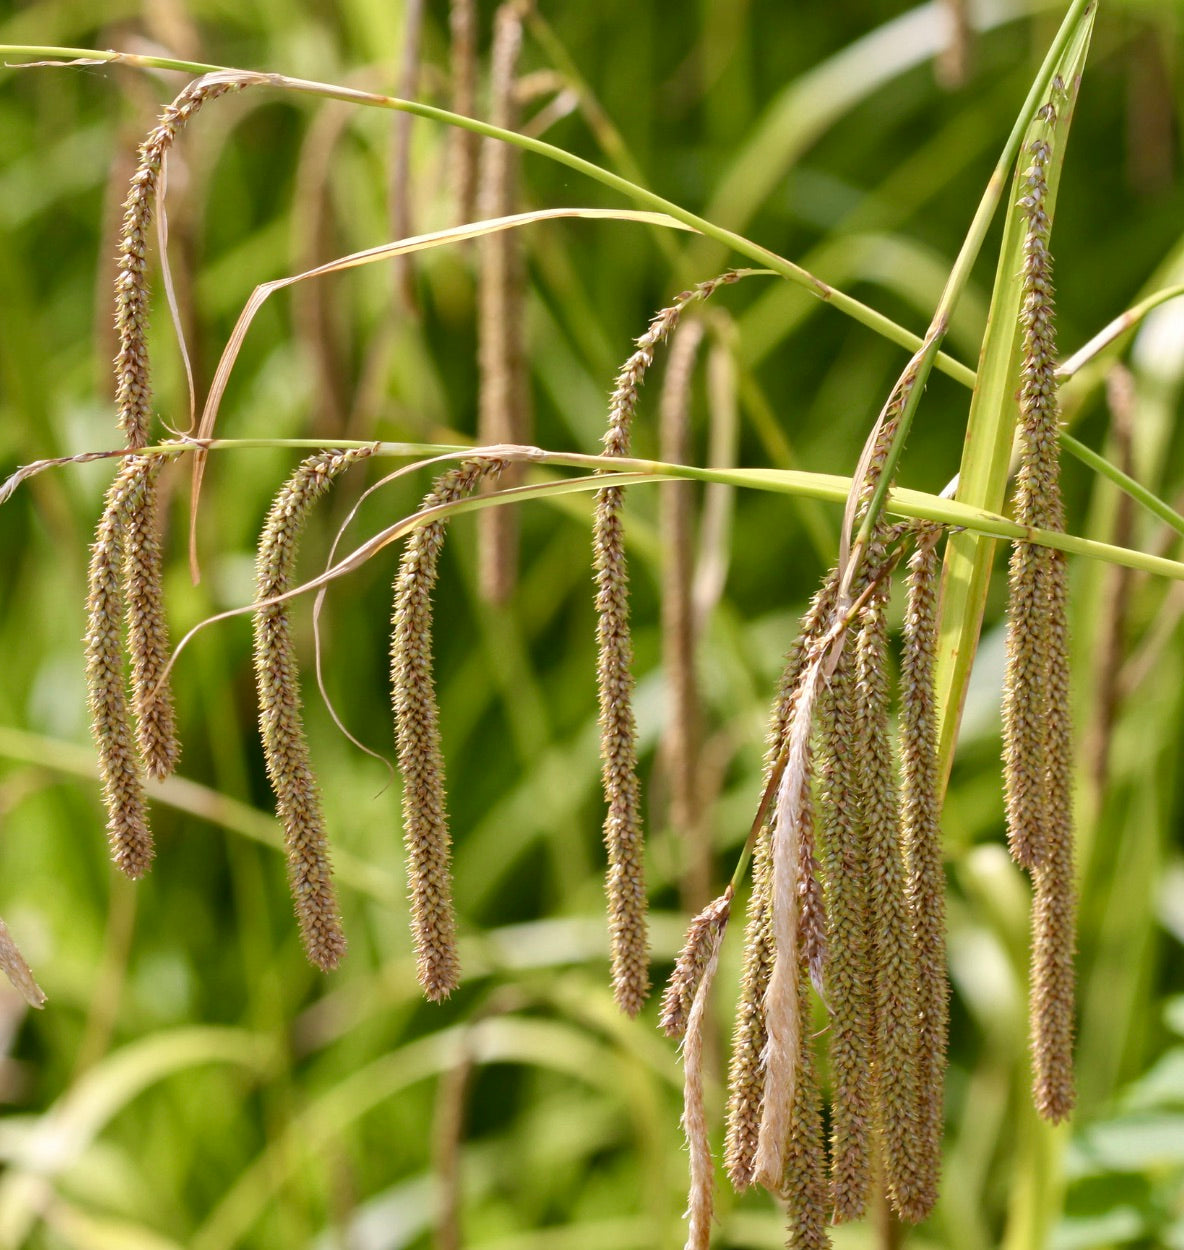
x=133 y=388
x=123 y=789
x=921 y=827
x=1054 y=924
x=148 y=641
x=702 y=937
x=1037 y=710
x=746 y=1071
x=894 y=1065
x=849 y=977
x=285 y=748
x=803 y=1183
x=425 y=822
x=503 y=412
x=625 y=884
x=701 y=1199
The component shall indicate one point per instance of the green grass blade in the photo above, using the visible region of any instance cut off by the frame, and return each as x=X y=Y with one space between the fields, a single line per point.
x=966 y=572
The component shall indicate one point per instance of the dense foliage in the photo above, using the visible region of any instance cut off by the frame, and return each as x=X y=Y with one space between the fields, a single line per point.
x=193 y=1081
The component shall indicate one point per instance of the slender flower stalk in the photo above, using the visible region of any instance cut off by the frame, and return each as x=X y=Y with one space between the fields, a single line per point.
x=417 y=724
x=285 y=748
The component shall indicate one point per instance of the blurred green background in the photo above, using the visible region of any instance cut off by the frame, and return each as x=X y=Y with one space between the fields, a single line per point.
x=192 y=1082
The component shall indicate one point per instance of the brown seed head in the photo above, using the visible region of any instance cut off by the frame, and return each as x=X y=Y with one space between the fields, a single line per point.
x=133 y=387
x=425 y=822
x=285 y=749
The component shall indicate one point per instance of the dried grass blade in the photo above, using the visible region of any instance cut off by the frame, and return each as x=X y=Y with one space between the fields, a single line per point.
x=436 y=238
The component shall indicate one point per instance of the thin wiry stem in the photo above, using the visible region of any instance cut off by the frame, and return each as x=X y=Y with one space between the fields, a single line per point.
x=285 y=748
x=425 y=822
x=921 y=829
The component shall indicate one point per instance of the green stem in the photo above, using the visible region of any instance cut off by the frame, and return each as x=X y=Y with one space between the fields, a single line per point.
x=1156 y=506
x=1118 y=327
x=858 y=311
x=963 y=264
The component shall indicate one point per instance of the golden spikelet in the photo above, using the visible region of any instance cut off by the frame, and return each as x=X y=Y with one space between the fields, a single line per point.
x=1024 y=704
x=625 y=885
x=702 y=938
x=1054 y=922
x=148 y=642
x=425 y=823
x=281 y=727
x=1038 y=748
x=803 y=1183
x=123 y=789
x=503 y=410
x=849 y=977
x=746 y=1070
x=921 y=827
x=133 y=387
x=895 y=1047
